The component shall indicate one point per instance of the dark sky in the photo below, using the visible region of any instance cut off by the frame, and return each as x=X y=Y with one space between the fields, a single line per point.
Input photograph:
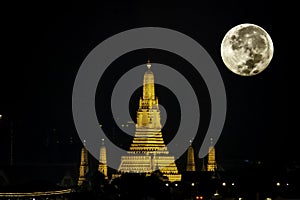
x=46 y=43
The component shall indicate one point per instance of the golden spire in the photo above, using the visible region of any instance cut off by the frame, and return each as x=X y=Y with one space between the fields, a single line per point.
x=148 y=85
x=102 y=167
x=211 y=163
x=148 y=64
x=190 y=159
x=148 y=102
x=84 y=166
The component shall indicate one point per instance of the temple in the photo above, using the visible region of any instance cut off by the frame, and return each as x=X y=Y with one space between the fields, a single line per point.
x=84 y=166
x=102 y=160
x=190 y=166
x=211 y=163
x=148 y=151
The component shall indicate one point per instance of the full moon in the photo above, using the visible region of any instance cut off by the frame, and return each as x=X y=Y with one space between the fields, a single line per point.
x=247 y=49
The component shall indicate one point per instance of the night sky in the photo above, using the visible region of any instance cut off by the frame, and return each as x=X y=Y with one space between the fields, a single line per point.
x=45 y=45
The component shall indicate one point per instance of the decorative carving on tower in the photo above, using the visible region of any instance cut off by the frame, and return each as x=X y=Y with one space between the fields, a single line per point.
x=102 y=160
x=84 y=165
x=148 y=151
x=211 y=163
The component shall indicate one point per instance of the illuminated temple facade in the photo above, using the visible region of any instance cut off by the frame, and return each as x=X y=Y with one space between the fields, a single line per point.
x=148 y=151
x=84 y=166
x=102 y=167
x=190 y=166
x=211 y=163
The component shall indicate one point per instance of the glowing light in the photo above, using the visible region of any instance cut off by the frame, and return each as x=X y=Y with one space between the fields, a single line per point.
x=36 y=194
x=232 y=184
x=167 y=184
x=287 y=184
x=216 y=194
x=0 y=116
x=278 y=184
x=176 y=184
x=193 y=184
x=223 y=184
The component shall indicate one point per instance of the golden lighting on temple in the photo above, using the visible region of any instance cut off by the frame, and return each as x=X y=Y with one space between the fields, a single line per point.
x=211 y=163
x=83 y=169
x=102 y=160
x=148 y=151
x=190 y=160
